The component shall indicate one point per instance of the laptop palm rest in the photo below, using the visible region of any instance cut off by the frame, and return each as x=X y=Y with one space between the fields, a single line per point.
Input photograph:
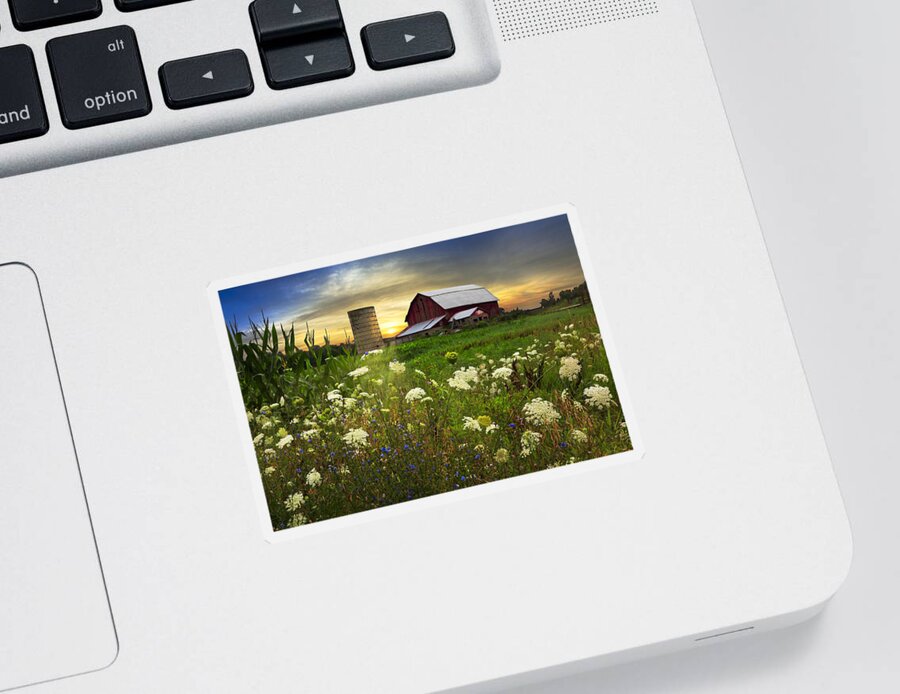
x=55 y=618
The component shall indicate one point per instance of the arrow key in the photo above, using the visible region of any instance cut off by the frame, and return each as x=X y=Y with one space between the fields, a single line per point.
x=408 y=40
x=274 y=20
x=297 y=64
x=206 y=79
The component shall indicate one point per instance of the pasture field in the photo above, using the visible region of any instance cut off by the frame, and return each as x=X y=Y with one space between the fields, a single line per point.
x=337 y=433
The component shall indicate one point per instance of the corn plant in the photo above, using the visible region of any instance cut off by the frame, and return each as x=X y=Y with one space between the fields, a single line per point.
x=271 y=365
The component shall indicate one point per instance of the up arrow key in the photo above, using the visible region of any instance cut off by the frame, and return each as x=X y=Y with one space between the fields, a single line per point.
x=408 y=37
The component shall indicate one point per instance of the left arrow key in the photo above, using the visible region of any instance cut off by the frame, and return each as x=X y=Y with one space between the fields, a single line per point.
x=206 y=79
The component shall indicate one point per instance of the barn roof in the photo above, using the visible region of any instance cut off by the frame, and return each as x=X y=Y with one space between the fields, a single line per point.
x=466 y=313
x=464 y=295
x=419 y=327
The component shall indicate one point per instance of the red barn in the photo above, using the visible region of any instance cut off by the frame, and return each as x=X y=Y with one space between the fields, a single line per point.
x=464 y=304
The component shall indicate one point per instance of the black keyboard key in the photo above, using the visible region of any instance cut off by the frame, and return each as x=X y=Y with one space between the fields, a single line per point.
x=37 y=14
x=131 y=5
x=99 y=77
x=206 y=79
x=22 y=111
x=283 y=19
x=297 y=64
x=408 y=40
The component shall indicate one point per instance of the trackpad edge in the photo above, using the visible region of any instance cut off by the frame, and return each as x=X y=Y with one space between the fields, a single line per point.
x=55 y=618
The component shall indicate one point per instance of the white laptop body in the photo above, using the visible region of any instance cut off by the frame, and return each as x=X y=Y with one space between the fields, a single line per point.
x=139 y=553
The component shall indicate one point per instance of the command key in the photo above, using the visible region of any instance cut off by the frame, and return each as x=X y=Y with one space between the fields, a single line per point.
x=22 y=111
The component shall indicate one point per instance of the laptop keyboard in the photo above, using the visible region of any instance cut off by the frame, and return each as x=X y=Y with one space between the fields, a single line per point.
x=102 y=76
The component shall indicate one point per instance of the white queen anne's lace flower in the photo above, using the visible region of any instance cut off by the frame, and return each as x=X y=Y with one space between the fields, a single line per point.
x=530 y=439
x=314 y=478
x=298 y=519
x=356 y=438
x=601 y=378
x=579 y=436
x=361 y=371
x=463 y=379
x=397 y=367
x=599 y=397
x=540 y=412
x=285 y=441
x=471 y=424
x=415 y=394
x=333 y=395
x=294 y=501
x=569 y=368
x=502 y=373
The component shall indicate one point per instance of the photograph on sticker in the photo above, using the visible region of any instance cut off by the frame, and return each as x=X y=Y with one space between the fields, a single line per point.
x=427 y=370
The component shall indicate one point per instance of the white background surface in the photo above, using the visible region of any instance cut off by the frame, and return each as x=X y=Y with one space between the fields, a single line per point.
x=812 y=94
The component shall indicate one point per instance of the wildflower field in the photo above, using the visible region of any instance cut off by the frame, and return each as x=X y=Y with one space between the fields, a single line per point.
x=337 y=433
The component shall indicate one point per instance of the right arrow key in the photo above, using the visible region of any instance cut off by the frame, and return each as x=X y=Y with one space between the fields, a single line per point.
x=408 y=40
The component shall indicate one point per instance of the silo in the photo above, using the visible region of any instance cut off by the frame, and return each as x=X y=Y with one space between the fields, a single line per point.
x=366 y=331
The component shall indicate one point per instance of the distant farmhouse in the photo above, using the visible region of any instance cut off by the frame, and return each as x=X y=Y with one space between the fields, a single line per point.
x=450 y=307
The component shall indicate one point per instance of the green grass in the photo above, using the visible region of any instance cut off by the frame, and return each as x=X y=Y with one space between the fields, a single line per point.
x=468 y=424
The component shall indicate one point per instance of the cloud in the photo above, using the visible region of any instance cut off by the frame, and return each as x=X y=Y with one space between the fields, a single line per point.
x=520 y=265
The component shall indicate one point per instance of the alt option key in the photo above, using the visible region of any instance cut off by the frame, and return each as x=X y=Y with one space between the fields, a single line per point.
x=22 y=113
x=99 y=77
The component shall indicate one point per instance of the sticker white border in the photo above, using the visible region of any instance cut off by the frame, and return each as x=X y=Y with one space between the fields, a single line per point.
x=590 y=466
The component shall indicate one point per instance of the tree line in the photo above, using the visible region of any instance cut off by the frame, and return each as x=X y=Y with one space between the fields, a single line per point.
x=575 y=295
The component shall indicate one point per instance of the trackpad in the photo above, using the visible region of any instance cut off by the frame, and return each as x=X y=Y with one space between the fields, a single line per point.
x=55 y=619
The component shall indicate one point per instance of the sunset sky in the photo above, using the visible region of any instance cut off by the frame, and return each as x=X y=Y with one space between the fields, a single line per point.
x=520 y=265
